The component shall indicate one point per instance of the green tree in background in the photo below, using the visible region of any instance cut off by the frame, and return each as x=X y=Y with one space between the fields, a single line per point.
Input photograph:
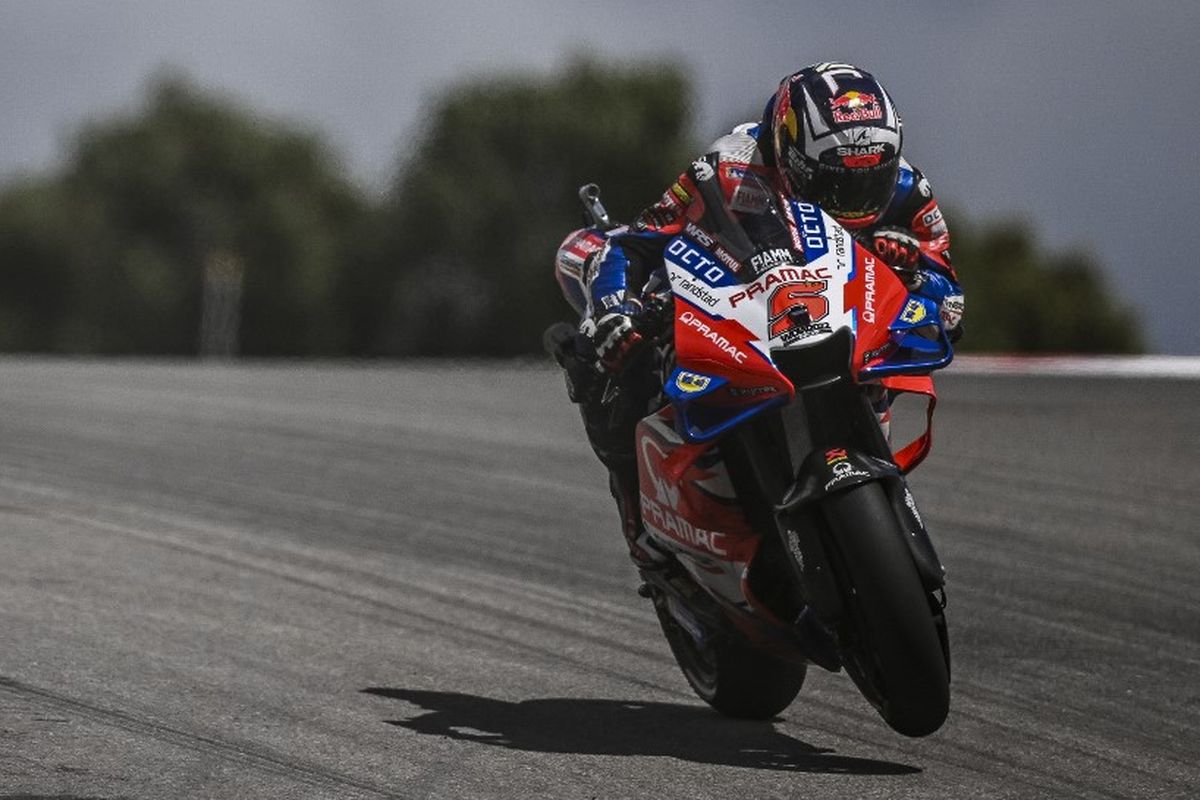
x=472 y=223
x=37 y=267
x=1023 y=300
x=108 y=257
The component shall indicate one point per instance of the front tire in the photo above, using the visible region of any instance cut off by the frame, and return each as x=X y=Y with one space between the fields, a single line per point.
x=729 y=674
x=894 y=652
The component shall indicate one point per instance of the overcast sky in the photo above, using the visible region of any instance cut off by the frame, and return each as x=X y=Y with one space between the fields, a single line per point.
x=1080 y=116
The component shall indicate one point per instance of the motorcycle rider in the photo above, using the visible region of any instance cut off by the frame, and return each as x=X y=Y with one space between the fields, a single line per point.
x=830 y=136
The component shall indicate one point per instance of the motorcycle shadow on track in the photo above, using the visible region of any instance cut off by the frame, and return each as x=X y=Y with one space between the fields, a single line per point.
x=623 y=728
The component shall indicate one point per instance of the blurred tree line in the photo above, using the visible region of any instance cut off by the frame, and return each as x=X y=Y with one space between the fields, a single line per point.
x=196 y=203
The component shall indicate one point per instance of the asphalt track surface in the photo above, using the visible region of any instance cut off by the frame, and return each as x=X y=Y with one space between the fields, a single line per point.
x=406 y=581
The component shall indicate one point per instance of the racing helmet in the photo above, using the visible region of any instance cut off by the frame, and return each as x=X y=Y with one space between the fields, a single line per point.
x=836 y=141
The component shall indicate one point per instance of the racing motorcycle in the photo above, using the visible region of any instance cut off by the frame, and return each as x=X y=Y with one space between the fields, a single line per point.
x=766 y=475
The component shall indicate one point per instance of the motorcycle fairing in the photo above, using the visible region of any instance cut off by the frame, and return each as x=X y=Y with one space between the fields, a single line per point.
x=727 y=322
x=689 y=506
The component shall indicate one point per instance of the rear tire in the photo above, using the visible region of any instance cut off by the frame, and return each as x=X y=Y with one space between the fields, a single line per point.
x=895 y=654
x=730 y=674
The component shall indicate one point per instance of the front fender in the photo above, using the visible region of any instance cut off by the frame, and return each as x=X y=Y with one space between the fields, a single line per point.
x=835 y=469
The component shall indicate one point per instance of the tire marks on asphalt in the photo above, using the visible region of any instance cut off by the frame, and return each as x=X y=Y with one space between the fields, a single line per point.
x=240 y=754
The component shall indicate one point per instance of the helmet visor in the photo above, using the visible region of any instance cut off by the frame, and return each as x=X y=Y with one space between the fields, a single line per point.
x=853 y=192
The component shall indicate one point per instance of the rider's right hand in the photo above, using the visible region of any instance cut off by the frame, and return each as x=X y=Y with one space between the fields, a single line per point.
x=615 y=339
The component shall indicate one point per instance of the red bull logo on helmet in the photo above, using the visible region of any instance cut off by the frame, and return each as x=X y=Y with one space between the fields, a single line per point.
x=854 y=106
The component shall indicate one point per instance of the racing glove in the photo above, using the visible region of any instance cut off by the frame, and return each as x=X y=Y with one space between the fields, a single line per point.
x=944 y=292
x=901 y=250
x=615 y=339
x=897 y=247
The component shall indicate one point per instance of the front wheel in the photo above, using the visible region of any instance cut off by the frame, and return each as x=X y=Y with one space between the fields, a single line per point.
x=729 y=673
x=893 y=650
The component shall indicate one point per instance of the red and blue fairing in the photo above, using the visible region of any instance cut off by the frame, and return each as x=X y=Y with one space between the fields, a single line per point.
x=730 y=317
